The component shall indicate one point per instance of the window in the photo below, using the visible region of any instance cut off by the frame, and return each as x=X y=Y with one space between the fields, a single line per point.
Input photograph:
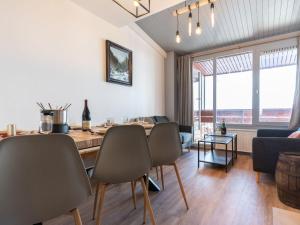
x=248 y=87
x=234 y=89
x=277 y=84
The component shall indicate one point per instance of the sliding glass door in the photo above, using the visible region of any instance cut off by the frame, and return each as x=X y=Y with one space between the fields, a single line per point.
x=234 y=89
x=203 y=97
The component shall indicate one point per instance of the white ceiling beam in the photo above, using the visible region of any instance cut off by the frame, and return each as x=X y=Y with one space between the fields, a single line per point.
x=192 y=6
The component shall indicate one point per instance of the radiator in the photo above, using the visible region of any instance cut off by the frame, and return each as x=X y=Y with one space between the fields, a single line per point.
x=244 y=137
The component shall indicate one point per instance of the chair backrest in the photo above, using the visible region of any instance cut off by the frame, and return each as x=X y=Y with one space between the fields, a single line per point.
x=164 y=143
x=41 y=177
x=124 y=155
x=161 y=119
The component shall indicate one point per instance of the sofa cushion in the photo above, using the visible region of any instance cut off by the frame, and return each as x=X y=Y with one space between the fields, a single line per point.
x=295 y=134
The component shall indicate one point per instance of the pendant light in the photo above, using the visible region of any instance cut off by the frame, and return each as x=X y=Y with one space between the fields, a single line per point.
x=198 y=29
x=212 y=14
x=136 y=3
x=178 y=39
x=190 y=21
x=140 y=7
x=187 y=9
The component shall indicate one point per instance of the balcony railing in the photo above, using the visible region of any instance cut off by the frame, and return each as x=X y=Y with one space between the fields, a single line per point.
x=243 y=116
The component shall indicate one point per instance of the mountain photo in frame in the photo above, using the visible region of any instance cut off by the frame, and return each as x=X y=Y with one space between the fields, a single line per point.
x=118 y=64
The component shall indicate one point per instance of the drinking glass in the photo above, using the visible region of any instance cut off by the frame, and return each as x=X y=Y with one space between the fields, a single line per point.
x=125 y=120
x=46 y=123
x=109 y=122
x=11 y=130
x=141 y=120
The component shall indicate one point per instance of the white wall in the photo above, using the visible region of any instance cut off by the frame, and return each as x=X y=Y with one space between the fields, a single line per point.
x=54 y=51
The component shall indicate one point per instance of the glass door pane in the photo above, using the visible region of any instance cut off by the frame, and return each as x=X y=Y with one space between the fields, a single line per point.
x=277 y=84
x=203 y=97
x=234 y=89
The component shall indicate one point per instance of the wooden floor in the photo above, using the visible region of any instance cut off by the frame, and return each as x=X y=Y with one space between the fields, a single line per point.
x=215 y=198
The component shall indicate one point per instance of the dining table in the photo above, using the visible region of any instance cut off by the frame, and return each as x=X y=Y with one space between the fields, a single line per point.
x=88 y=144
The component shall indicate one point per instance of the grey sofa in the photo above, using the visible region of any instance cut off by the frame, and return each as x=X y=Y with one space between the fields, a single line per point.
x=186 y=132
x=267 y=146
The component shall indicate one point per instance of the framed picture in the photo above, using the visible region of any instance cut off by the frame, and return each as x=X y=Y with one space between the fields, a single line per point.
x=118 y=64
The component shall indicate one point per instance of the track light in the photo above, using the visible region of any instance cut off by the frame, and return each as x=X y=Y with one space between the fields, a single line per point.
x=212 y=14
x=190 y=22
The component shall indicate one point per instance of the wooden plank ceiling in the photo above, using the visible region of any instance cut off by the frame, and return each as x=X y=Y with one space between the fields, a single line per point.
x=236 y=21
x=243 y=62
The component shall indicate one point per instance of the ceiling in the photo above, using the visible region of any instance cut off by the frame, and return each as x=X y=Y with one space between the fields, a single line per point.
x=236 y=21
x=114 y=14
x=243 y=61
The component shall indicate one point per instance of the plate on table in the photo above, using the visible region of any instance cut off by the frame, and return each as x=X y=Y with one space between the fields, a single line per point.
x=3 y=134
x=100 y=130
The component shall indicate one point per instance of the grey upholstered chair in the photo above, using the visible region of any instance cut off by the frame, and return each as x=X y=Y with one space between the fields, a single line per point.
x=42 y=177
x=165 y=148
x=123 y=157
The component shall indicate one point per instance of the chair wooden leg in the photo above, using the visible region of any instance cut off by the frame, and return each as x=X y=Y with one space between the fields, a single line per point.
x=101 y=201
x=76 y=215
x=181 y=186
x=145 y=209
x=257 y=177
x=133 y=193
x=96 y=201
x=147 y=200
x=162 y=177
x=157 y=176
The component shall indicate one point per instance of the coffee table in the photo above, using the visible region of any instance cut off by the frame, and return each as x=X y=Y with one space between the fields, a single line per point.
x=217 y=156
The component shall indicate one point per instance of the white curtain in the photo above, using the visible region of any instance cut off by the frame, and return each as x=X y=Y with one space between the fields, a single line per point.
x=185 y=91
x=295 y=118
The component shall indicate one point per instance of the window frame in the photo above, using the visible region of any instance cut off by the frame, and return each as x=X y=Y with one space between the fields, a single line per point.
x=256 y=52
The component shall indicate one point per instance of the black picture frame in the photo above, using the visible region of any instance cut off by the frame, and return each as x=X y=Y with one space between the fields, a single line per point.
x=118 y=72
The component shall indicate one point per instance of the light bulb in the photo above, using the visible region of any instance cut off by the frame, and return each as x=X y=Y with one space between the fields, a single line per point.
x=212 y=8
x=198 y=29
x=136 y=3
x=177 y=37
x=190 y=24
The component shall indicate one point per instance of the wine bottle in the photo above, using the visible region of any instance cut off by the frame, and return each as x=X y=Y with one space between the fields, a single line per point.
x=86 y=117
x=223 y=128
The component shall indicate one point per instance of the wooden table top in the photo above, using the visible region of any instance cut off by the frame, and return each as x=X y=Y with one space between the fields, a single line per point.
x=87 y=142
